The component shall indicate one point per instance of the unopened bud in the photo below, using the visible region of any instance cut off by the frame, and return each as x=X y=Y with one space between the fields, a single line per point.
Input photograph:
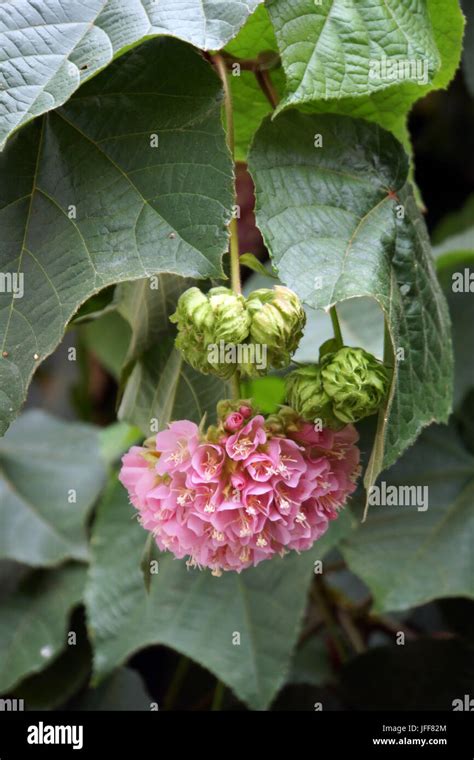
x=355 y=381
x=277 y=321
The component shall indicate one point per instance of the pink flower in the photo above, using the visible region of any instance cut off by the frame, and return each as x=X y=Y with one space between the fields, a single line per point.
x=245 y=442
x=176 y=445
x=233 y=422
x=230 y=501
x=207 y=462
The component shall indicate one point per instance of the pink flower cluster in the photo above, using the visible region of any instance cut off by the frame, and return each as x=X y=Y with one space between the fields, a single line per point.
x=241 y=492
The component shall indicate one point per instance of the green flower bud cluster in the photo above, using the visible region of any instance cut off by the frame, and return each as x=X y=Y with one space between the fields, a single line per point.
x=249 y=334
x=208 y=318
x=346 y=386
x=277 y=321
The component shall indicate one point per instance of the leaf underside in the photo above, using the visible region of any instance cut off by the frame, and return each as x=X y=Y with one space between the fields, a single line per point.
x=48 y=49
x=130 y=178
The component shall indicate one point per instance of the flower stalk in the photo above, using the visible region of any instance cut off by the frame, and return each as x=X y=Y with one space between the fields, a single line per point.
x=234 y=252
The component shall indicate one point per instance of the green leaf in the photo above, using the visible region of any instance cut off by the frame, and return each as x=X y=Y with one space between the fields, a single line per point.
x=43 y=463
x=468 y=51
x=331 y=223
x=407 y=556
x=56 y=684
x=250 y=261
x=33 y=622
x=327 y=52
x=108 y=338
x=96 y=306
x=461 y=244
x=250 y=104
x=454 y=222
x=48 y=49
x=11 y=575
x=150 y=554
x=147 y=305
x=311 y=663
x=138 y=209
x=268 y=393
x=116 y=439
x=194 y=612
x=161 y=386
x=455 y=268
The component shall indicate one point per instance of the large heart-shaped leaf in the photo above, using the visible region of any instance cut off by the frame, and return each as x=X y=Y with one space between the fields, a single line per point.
x=130 y=178
x=51 y=474
x=49 y=48
x=329 y=50
x=332 y=58
x=340 y=220
x=33 y=622
x=194 y=612
x=408 y=556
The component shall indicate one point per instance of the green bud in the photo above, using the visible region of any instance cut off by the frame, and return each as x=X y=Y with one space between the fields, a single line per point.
x=231 y=318
x=355 y=381
x=227 y=406
x=277 y=322
x=283 y=421
x=306 y=395
x=206 y=319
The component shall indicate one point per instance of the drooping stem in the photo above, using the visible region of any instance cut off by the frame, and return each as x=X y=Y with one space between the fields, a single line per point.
x=177 y=681
x=266 y=85
x=218 y=696
x=229 y=113
x=234 y=252
x=336 y=326
x=319 y=596
x=234 y=257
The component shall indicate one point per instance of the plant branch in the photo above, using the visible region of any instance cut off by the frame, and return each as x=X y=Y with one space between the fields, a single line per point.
x=352 y=632
x=234 y=252
x=319 y=596
x=393 y=627
x=265 y=60
x=218 y=696
x=176 y=682
x=229 y=113
x=336 y=326
x=266 y=85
